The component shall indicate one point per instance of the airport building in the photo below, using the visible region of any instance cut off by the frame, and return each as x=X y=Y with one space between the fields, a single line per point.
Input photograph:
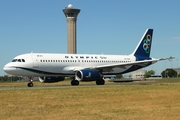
x=177 y=70
x=138 y=74
x=71 y=17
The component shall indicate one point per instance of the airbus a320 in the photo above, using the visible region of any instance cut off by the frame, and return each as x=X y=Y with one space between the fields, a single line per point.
x=81 y=67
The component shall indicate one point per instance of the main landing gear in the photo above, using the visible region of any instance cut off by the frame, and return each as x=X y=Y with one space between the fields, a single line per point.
x=100 y=82
x=30 y=84
x=74 y=82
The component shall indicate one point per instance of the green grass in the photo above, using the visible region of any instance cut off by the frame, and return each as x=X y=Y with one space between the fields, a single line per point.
x=131 y=102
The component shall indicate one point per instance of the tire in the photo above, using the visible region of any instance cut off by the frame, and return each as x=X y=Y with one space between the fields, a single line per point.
x=30 y=84
x=100 y=82
x=74 y=82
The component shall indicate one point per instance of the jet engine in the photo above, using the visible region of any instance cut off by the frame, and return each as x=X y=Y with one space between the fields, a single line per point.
x=88 y=75
x=51 y=79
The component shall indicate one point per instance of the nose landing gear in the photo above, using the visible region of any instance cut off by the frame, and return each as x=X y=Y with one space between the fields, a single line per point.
x=30 y=84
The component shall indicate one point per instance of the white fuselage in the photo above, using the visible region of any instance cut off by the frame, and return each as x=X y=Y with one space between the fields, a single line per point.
x=45 y=64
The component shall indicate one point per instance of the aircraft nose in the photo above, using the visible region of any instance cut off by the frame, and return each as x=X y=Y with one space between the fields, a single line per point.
x=6 y=68
x=9 y=69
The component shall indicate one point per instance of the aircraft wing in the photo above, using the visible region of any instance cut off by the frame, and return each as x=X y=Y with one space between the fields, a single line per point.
x=108 y=67
x=123 y=65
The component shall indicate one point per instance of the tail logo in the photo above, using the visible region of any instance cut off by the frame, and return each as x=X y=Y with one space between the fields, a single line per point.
x=147 y=43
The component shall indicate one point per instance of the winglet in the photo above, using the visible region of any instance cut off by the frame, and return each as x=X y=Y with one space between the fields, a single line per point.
x=169 y=58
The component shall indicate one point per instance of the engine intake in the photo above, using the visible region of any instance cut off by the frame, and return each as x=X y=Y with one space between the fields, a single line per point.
x=51 y=79
x=88 y=75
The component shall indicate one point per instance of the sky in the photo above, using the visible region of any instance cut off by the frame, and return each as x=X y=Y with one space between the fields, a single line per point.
x=108 y=27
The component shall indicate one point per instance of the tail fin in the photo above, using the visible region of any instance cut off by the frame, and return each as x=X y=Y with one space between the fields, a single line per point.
x=143 y=49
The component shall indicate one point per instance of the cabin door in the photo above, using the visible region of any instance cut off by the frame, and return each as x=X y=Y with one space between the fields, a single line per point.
x=35 y=61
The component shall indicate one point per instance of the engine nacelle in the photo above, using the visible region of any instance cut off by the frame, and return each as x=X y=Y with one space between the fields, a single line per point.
x=51 y=79
x=88 y=75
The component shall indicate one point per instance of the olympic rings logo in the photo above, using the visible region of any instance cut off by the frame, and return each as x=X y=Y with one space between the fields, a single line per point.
x=147 y=44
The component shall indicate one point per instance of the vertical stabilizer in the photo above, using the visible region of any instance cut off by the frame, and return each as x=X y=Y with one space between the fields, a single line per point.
x=143 y=49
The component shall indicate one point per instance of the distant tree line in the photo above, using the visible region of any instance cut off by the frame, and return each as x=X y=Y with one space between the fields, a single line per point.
x=10 y=78
x=168 y=73
x=149 y=73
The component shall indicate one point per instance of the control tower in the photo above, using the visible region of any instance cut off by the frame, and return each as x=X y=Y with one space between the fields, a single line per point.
x=71 y=17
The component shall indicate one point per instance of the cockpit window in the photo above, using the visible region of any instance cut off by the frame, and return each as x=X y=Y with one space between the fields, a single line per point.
x=14 y=60
x=18 y=60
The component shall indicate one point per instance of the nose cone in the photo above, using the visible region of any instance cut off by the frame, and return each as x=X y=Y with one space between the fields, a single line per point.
x=9 y=69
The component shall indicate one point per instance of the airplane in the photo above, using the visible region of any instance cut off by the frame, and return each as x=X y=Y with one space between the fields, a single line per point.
x=51 y=68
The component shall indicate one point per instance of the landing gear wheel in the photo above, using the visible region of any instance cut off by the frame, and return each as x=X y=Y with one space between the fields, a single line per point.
x=74 y=82
x=100 y=82
x=30 y=84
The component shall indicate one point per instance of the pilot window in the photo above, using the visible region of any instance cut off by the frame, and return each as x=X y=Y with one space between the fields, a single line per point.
x=14 y=60
x=18 y=60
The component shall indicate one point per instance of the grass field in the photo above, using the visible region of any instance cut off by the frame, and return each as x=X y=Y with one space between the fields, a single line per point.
x=126 y=102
